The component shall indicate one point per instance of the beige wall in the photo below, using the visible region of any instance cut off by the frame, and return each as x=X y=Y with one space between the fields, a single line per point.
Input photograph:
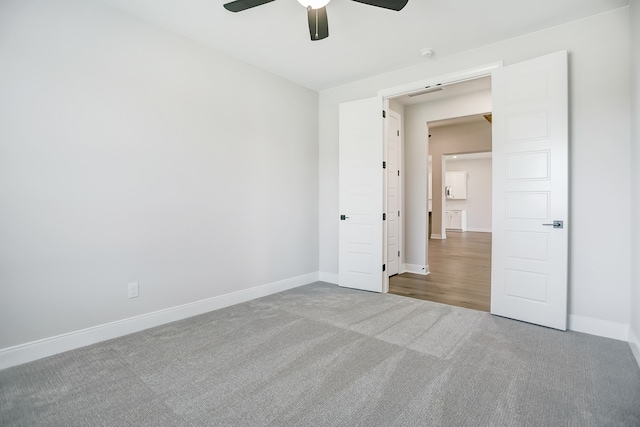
x=457 y=139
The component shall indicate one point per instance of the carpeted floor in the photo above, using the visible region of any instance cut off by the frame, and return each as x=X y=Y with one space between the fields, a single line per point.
x=321 y=355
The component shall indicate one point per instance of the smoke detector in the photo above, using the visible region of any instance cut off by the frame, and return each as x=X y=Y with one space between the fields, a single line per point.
x=427 y=52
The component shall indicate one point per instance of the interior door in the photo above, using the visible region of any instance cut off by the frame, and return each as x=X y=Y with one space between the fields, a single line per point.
x=393 y=193
x=530 y=182
x=361 y=191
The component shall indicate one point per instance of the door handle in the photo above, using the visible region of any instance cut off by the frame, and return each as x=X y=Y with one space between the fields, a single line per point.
x=556 y=224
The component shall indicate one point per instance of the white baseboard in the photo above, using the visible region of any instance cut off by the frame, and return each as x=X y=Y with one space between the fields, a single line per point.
x=28 y=352
x=601 y=328
x=480 y=230
x=438 y=236
x=634 y=342
x=328 y=277
x=415 y=268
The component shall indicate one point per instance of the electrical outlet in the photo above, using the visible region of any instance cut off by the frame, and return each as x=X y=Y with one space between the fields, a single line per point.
x=133 y=290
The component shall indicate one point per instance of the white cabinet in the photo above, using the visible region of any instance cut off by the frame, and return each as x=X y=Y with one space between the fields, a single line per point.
x=455 y=185
x=455 y=220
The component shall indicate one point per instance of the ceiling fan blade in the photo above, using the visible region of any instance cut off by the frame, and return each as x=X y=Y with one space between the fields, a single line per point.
x=318 y=23
x=240 y=5
x=387 y=4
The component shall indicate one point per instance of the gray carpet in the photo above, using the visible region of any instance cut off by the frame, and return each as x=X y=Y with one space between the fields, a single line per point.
x=320 y=355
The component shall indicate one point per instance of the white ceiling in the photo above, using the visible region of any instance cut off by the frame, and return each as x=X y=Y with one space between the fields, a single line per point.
x=363 y=40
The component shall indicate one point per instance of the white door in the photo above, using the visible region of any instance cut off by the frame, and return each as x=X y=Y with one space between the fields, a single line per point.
x=393 y=193
x=530 y=191
x=361 y=203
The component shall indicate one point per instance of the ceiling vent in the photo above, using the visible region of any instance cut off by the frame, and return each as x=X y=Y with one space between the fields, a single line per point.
x=425 y=91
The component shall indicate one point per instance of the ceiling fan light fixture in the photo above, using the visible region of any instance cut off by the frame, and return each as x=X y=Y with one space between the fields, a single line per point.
x=314 y=4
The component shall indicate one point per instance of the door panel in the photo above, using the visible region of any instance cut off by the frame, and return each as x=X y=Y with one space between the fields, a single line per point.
x=361 y=204
x=530 y=179
x=393 y=193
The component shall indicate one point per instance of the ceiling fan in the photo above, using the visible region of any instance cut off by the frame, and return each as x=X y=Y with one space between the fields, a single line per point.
x=316 y=11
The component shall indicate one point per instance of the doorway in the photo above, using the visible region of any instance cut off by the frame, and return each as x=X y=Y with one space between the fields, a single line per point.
x=458 y=269
x=460 y=264
x=530 y=185
x=459 y=245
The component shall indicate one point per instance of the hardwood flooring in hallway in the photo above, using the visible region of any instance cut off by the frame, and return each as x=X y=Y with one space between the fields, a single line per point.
x=460 y=275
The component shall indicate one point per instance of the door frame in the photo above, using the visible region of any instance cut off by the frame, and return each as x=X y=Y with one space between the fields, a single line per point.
x=405 y=89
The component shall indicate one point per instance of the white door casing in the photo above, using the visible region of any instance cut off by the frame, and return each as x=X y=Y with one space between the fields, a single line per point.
x=530 y=190
x=393 y=192
x=361 y=248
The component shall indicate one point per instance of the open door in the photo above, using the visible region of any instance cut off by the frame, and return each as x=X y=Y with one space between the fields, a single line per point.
x=361 y=248
x=393 y=192
x=530 y=191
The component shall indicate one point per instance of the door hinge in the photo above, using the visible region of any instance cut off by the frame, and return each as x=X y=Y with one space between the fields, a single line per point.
x=398 y=213
x=398 y=133
x=398 y=172
x=384 y=114
x=384 y=165
x=398 y=254
x=384 y=267
x=384 y=216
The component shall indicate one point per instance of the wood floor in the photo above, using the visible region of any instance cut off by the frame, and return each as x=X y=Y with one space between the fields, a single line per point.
x=460 y=275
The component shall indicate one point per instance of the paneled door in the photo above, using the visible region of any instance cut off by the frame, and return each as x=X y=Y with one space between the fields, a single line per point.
x=361 y=191
x=393 y=193
x=530 y=191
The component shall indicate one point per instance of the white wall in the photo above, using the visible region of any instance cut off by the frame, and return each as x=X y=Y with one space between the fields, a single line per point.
x=634 y=336
x=128 y=153
x=599 y=117
x=478 y=201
